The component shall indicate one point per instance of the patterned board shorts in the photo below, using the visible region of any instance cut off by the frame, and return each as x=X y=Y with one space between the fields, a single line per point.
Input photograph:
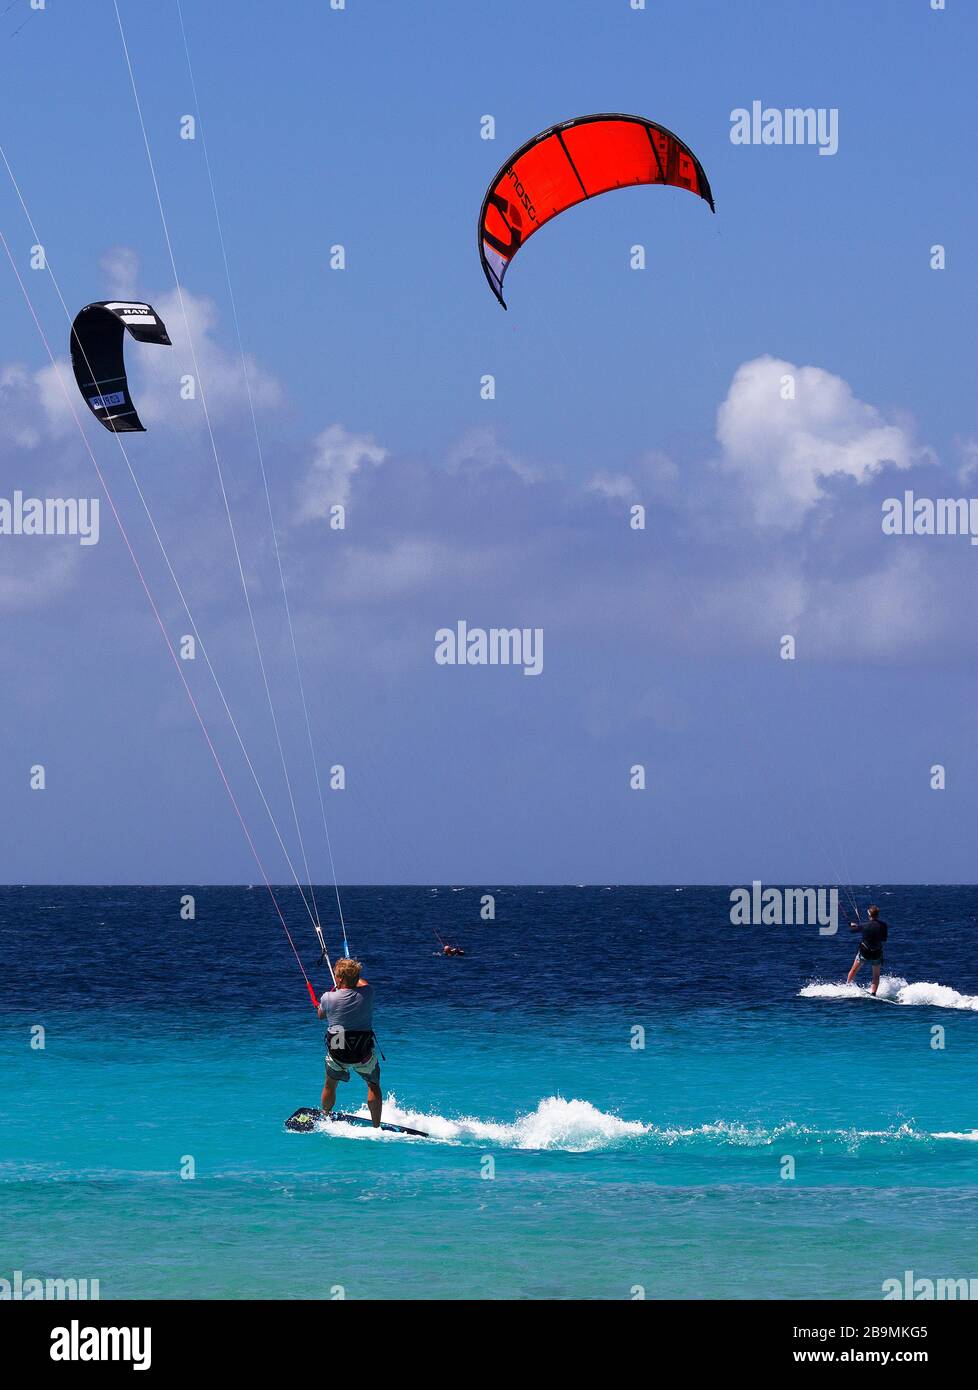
x=340 y=1071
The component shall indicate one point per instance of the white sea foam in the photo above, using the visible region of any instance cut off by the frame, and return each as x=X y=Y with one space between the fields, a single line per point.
x=895 y=990
x=576 y=1126
x=738 y=1134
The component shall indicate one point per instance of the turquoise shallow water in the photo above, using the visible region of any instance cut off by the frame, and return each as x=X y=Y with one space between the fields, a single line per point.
x=565 y=1162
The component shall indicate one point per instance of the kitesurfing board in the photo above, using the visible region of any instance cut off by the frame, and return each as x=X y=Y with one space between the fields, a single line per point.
x=306 y=1118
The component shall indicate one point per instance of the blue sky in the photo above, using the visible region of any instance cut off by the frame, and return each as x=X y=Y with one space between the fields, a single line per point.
x=362 y=127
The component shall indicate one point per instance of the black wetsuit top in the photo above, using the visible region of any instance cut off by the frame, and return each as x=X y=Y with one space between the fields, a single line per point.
x=874 y=934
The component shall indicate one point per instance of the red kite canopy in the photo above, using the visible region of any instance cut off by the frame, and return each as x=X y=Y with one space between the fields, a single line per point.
x=568 y=163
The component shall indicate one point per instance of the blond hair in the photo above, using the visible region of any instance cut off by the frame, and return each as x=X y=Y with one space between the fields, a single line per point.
x=347 y=972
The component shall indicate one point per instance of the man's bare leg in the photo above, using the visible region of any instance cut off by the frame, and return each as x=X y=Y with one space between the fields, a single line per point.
x=329 y=1094
x=876 y=979
x=854 y=971
x=375 y=1102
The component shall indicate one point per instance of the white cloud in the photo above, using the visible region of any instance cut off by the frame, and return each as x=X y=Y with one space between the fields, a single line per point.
x=339 y=456
x=783 y=450
x=777 y=456
x=661 y=475
x=658 y=478
x=479 y=449
x=900 y=607
x=617 y=487
x=967 y=450
x=20 y=391
x=120 y=271
x=155 y=373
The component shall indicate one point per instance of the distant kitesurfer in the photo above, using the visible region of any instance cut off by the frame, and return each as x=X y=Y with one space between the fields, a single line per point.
x=874 y=933
x=350 y=1042
x=452 y=951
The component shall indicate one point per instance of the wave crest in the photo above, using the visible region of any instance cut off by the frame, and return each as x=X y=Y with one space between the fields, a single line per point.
x=895 y=990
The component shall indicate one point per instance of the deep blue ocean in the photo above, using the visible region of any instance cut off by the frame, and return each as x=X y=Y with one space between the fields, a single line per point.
x=626 y=1094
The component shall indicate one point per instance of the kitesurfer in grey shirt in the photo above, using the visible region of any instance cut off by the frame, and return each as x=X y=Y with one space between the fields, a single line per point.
x=350 y=1046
